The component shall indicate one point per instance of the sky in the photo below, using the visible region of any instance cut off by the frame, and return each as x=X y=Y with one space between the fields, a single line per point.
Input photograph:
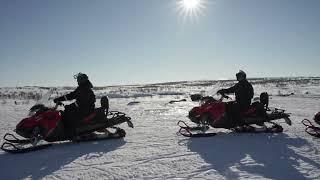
x=116 y=42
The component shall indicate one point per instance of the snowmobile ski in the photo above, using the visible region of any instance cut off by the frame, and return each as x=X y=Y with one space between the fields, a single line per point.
x=188 y=131
x=12 y=139
x=311 y=129
x=14 y=149
x=190 y=134
x=15 y=145
x=184 y=125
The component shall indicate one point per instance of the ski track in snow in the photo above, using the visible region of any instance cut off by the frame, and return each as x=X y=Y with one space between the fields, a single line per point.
x=152 y=150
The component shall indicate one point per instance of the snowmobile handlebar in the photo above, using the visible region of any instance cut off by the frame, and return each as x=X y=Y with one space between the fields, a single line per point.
x=223 y=96
x=199 y=97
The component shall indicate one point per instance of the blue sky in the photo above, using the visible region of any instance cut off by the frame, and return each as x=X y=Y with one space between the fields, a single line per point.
x=44 y=43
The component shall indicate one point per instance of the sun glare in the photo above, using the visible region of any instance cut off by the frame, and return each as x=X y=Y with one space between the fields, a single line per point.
x=191 y=9
x=190 y=4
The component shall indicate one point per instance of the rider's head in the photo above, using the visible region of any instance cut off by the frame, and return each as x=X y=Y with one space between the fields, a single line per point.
x=104 y=101
x=81 y=78
x=241 y=75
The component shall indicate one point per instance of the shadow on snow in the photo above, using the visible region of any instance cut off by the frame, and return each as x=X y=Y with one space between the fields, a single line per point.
x=269 y=155
x=39 y=164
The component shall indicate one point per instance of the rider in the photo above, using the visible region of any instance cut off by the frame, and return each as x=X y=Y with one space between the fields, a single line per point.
x=244 y=93
x=83 y=106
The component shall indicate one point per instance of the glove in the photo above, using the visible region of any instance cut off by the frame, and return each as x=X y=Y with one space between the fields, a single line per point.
x=221 y=91
x=57 y=101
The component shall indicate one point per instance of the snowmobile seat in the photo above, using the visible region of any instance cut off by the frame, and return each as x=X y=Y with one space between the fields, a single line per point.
x=255 y=109
x=258 y=108
x=251 y=111
x=99 y=114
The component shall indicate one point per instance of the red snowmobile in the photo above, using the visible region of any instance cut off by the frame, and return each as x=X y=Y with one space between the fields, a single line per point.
x=47 y=124
x=218 y=114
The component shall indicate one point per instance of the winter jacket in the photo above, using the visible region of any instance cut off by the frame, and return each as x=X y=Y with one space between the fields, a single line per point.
x=244 y=93
x=84 y=96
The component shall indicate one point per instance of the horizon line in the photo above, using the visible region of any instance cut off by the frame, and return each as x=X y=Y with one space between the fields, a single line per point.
x=170 y=82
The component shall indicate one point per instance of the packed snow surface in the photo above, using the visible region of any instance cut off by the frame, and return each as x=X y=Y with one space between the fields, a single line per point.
x=153 y=150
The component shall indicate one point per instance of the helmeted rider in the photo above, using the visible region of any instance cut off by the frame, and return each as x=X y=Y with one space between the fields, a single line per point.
x=243 y=92
x=83 y=106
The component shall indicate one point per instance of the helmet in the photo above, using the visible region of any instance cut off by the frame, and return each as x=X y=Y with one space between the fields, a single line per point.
x=317 y=118
x=241 y=75
x=81 y=78
x=104 y=101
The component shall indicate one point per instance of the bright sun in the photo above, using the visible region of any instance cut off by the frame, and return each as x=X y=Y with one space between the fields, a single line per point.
x=191 y=8
x=190 y=4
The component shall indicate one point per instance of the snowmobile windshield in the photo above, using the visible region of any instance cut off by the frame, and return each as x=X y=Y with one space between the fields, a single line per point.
x=43 y=103
x=207 y=99
x=37 y=109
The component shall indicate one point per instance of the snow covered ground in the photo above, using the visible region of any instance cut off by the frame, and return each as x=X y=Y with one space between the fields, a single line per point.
x=152 y=150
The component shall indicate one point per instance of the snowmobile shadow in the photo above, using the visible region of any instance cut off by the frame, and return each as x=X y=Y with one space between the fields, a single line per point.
x=270 y=156
x=38 y=164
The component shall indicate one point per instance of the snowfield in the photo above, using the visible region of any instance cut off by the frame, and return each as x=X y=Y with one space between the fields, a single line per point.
x=153 y=150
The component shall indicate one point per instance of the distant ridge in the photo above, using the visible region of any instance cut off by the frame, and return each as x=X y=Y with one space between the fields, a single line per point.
x=256 y=80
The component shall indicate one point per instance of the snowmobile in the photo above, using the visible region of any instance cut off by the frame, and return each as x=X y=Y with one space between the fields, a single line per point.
x=218 y=114
x=46 y=124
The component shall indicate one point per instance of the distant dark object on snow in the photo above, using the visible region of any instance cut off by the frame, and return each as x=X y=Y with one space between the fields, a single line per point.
x=133 y=103
x=196 y=97
x=174 y=101
x=284 y=95
x=307 y=92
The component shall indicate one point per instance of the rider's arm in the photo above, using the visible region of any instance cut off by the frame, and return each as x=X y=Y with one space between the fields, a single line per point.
x=230 y=90
x=72 y=95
